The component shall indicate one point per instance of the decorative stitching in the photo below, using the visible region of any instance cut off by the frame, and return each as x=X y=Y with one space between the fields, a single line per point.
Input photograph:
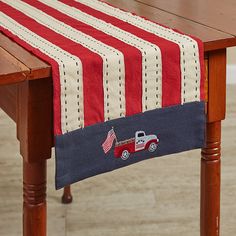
x=84 y=17
x=51 y=55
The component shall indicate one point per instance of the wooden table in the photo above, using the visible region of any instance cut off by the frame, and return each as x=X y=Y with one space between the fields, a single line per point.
x=26 y=96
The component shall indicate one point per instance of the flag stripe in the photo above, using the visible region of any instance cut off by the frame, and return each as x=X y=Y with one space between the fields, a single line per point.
x=107 y=145
x=62 y=57
x=169 y=91
x=189 y=52
x=76 y=88
x=133 y=75
x=113 y=75
x=151 y=98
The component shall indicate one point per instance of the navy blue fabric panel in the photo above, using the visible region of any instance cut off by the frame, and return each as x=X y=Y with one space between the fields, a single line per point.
x=79 y=154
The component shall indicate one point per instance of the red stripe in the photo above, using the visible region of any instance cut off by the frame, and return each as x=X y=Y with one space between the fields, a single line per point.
x=132 y=58
x=171 y=77
x=93 y=108
x=200 y=47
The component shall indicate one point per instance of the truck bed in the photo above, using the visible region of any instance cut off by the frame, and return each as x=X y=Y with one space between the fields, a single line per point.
x=127 y=141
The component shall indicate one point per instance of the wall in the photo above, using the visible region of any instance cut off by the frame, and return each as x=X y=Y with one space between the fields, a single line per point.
x=231 y=65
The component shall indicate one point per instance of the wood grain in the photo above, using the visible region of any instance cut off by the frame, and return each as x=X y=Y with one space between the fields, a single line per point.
x=217 y=85
x=211 y=153
x=38 y=69
x=219 y=15
x=35 y=119
x=213 y=39
x=8 y=100
x=210 y=181
x=34 y=193
x=11 y=69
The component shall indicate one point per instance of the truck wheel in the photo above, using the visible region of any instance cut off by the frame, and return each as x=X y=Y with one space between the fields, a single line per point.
x=125 y=155
x=152 y=147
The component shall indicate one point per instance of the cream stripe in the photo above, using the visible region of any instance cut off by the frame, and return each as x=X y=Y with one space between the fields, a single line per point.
x=113 y=60
x=151 y=66
x=190 y=65
x=68 y=66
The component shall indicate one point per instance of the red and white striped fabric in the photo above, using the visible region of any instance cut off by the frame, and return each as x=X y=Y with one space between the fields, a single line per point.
x=107 y=63
x=107 y=145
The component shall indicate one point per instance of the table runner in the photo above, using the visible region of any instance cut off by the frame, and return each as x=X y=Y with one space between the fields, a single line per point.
x=126 y=89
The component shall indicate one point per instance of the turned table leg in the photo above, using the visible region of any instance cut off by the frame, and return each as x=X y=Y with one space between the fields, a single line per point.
x=210 y=181
x=67 y=196
x=211 y=153
x=34 y=192
x=35 y=133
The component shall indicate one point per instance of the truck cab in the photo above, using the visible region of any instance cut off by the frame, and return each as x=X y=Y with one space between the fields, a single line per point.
x=143 y=141
x=140 y=138
x=139 y=142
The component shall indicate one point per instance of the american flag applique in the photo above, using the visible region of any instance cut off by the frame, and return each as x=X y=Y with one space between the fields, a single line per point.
x=107 y=145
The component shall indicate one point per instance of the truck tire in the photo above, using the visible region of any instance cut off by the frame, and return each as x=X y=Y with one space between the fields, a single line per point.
x=125 y=155
x=152 y=147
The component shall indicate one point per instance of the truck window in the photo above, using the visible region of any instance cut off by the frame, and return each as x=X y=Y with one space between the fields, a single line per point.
x=140 y=135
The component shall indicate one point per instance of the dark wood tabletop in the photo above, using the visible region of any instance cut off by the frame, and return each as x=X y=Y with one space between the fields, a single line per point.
x=180 y=14
x=17 y=64
x=219 y=15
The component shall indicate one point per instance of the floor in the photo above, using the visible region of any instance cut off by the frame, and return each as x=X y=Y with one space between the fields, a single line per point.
x=155 y=197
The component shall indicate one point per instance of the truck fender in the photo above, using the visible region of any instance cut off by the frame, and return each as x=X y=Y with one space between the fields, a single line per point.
x=149 y=142
x=118 y=151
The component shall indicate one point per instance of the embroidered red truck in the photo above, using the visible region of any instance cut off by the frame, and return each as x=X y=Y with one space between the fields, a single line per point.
x=140 y=142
